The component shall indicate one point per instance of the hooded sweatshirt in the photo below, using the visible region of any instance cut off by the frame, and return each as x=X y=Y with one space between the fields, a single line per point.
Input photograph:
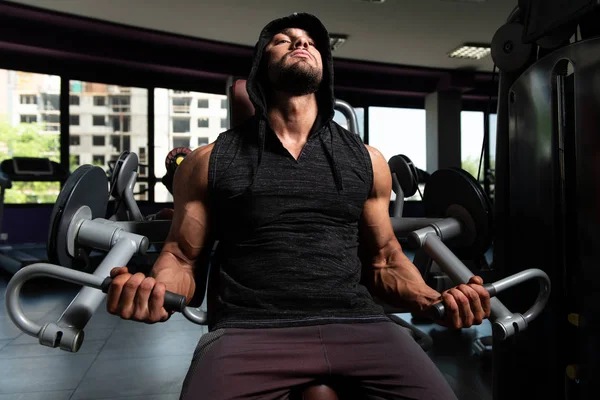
x=288 y=229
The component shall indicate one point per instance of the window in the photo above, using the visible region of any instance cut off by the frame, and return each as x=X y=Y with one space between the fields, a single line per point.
x=181 y=125
x=51 y=122
x=202 y=122
x=28 y=99
x=142 y=154
x=73 y=100
x=98 y=160
x=141 y=193
x=126 y=143
x=182 y=105
x=75 y=159
x=120 y=123
x=492 y=149
x=74 y=120
x=99 y=120
x=395 y=131
x=471 y=141
x=171 y=129
x=224 y=103
x=98 y=140
x=123 y=119
x=181 y=142
x=23 y=136
x=115 y=142
x=28 y=119
x=74 y=140
x=360 y=116
x=120 y=104
x=50 y=101
x=224 y=123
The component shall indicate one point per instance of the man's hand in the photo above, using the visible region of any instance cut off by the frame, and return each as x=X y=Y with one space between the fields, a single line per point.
x=466 y=305
x=136 y=297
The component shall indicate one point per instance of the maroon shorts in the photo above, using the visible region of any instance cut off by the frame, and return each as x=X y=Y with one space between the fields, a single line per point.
x=368 y=360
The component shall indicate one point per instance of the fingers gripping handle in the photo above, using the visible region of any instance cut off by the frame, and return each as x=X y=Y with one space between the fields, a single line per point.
x=173 y=301
x=505 y=322
x=437 y=312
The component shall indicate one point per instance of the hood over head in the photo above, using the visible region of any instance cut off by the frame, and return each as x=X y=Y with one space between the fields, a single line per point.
x=319 y=34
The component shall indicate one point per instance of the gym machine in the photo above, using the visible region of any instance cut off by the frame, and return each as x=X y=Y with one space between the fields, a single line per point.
x=78 y=227
x=25 y=169
x=547 y=197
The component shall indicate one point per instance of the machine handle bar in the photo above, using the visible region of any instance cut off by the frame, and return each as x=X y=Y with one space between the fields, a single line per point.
x=173 y=301
x=438 y=311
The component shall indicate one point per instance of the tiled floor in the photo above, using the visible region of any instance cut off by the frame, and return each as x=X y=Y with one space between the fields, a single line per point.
x=127 y=360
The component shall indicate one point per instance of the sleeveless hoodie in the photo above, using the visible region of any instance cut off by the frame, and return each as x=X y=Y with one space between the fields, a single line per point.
x=287 y=229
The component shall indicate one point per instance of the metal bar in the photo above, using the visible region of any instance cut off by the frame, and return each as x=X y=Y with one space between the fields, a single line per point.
x=444 y=228
x=13 y=290
x=346 y=109
x=103 y=234
x=87 y=301
x=134 y=211
x=458 y=272
x=404 y=226
x=156 y=230
x=518 y=278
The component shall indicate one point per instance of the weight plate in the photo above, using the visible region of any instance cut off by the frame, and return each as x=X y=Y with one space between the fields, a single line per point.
x=450 y=192
x=175 y=157
x=87 y=186
x=172 y=161
x=406 y=173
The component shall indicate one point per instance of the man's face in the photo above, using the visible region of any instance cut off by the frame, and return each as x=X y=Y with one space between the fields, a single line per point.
x=294 y=64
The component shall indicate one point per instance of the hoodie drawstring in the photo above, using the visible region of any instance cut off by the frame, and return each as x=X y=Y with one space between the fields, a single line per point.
x=262 y=133
x=331 y=155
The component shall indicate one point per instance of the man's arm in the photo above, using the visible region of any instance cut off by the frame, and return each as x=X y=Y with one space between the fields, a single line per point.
x=392 y=277
x=141 y=298
x=190 y=227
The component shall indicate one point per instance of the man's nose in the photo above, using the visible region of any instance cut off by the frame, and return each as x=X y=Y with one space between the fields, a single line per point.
x=301 y=42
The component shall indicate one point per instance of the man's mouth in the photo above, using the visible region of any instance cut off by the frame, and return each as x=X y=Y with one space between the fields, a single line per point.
x=300 y=54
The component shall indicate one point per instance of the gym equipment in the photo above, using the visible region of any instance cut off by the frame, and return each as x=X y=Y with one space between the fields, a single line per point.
x=75 y=221
x=76 y=229
x=26 y=169
x=464 y=220
x=452 y=193
x=546 y=195
x=4 y=184
x=174 y=158
x=404 y=181
x=122 y=182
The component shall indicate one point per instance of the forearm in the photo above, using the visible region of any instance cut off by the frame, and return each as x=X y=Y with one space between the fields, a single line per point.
x=176 y=273
x=396 y=281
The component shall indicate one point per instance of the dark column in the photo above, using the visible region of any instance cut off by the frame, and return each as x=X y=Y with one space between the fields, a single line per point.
x=443 y=129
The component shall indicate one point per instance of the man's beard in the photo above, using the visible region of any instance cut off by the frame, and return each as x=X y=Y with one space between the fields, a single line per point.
x=299 y=79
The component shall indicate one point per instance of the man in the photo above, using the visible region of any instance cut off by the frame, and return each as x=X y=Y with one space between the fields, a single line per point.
x=300 y=208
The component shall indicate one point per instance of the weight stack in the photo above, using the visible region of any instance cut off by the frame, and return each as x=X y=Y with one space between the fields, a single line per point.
x=548 y=204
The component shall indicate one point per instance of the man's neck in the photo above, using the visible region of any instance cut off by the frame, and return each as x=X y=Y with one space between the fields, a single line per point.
x=292 y=117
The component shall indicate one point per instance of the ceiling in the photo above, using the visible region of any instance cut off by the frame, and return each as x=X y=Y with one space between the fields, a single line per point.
x=405 y=32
